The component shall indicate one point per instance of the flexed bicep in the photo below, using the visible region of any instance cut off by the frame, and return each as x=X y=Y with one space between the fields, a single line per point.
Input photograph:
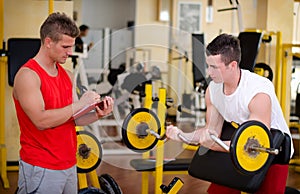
x=260 y=108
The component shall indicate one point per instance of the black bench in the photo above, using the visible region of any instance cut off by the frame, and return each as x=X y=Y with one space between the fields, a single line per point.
x=180 y=164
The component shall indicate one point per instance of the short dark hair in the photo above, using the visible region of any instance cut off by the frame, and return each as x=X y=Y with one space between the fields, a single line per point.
x=83 y=28
x=56 y=25
x=227 y=46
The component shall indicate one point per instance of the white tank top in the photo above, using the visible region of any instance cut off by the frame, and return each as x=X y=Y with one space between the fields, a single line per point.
x=234 y=107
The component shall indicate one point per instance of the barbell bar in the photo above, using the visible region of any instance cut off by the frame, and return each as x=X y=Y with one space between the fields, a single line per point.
x=249 y=148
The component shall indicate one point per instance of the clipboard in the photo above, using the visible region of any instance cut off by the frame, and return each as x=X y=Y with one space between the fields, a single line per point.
x=88 y=109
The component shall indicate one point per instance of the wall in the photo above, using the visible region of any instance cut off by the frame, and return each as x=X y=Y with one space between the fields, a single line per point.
x=226 y=21
x=77 y=6
x=281 y=21
x=23 y=21
x=151 y=38
x=103 y=13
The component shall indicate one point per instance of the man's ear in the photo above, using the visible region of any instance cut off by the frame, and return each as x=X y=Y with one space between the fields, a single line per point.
x=47 y=42
x=233 y=65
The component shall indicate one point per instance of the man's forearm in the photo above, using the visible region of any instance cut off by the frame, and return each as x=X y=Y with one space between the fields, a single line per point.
x=86 y=119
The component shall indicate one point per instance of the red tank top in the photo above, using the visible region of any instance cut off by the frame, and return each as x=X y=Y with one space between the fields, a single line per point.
x=53 y=148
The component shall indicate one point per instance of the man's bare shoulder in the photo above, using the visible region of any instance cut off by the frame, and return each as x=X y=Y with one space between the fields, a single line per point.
x=25 y=79
x=25 y=74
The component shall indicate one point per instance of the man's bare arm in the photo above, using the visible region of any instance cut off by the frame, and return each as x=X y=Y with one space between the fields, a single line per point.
x=27 y=92
x=261 y=108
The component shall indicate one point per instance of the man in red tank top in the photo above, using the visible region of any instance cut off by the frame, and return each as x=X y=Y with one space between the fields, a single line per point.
x=45 y=107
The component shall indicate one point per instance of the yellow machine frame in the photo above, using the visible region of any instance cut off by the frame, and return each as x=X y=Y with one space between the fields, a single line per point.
x=286 y=50
x=3 y=62
x=82 y=177
x=158 y=173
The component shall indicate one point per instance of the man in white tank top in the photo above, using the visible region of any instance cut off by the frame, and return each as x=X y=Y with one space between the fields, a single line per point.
x=237 y=95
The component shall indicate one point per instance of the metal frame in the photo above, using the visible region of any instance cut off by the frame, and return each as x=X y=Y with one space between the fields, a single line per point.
x=82 y=177
x=3 y=70
x=286 y=52
x=158 y=173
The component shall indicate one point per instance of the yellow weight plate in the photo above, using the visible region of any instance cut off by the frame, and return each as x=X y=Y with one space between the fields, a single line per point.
x=140 y=118
x=247 y=161
x=89 y=152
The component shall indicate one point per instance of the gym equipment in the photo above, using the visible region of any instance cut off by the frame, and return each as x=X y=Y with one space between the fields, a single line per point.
x=20 y=50
x=136 y=127
x=287 y=49
x=250 y=146
x=207 y=166
x=91 y=190
x=290 y=190
x=193 y=104
x=173 y=187
x=134 y=82
x=196 y=104
x=158 y=166
x=198 y=55
x=263 y=70
x=235 y=6
x=89 y=152
x=250 y=44
x=3 y=149
x=109 y=185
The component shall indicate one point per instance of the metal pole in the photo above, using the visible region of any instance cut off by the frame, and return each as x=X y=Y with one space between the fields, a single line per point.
x=51 y=6
x=3 y=167
x=272 y=151
x=278 y=67
x=161 y=111
x=145 y=174
x=284 y=83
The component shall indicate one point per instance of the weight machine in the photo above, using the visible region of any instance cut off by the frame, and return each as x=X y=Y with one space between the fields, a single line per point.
x=235 y=7
x=193 y=104
x=159 y=166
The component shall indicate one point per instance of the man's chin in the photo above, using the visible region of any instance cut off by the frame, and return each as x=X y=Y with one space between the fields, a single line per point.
x=62 y=61
x=217 y=81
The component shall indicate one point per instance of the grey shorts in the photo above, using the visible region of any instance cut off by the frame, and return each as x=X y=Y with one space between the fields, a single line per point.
x=34 y=179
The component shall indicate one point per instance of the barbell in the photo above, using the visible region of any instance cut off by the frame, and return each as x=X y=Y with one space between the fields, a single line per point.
x=250 y=147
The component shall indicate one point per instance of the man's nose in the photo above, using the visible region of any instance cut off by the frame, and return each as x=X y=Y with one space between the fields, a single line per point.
x=69 y=51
